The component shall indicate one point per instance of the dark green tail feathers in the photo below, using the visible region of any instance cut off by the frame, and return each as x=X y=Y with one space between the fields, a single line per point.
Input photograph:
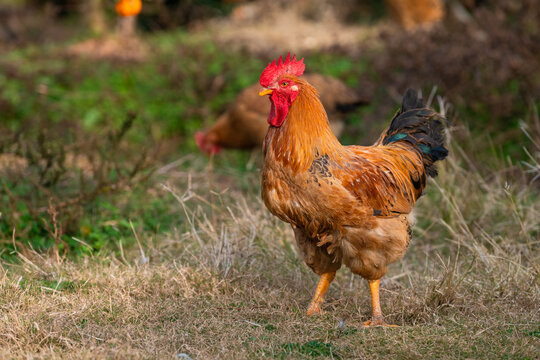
x=421 y=127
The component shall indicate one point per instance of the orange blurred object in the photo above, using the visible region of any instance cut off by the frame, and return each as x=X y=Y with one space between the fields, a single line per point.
x=128 y=7
x=416 y=13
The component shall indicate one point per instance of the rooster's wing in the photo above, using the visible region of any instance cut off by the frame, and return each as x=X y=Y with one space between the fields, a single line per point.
x=386 y=179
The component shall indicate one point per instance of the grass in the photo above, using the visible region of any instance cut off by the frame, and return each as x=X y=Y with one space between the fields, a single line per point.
x=228 y=283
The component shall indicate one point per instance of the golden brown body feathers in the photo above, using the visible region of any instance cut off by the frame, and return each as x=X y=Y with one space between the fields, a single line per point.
x=347 y=204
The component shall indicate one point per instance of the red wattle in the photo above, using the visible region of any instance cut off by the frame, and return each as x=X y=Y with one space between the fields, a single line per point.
x=272 y=112
x=278 y=110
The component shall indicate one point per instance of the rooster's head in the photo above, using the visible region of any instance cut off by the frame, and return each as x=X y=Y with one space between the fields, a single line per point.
x=279 y=81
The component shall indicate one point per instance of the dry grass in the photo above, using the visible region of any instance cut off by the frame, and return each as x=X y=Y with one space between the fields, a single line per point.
x=228 y=284
x=310 y=27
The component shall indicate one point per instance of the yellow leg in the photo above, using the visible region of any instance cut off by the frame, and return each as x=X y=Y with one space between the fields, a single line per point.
x=377 y=318
x=315 y=305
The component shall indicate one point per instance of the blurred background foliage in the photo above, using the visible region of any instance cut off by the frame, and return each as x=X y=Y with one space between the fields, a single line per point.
x=89 y=131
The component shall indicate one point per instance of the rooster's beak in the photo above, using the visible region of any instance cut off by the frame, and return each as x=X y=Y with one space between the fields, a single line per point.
x=265 y=92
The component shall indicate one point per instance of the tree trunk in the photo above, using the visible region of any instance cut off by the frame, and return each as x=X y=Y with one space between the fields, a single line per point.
x=94 y=13
x=126 y=25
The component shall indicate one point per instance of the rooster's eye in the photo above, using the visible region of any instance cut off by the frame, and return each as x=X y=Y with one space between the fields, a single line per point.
x=284 y=83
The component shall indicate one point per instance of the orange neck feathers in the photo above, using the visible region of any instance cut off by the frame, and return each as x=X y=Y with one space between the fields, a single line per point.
x=304 y=135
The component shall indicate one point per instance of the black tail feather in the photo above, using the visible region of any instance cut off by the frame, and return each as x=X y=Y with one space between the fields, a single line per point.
x=421 y=127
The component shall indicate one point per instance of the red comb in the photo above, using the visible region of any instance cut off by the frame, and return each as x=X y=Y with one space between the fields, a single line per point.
x=273 y=70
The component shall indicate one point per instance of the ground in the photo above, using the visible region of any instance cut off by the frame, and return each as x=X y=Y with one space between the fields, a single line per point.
x=233 y=287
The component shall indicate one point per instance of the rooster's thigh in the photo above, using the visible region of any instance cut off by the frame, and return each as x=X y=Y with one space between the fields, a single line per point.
x=367 y=252
x=317 y=257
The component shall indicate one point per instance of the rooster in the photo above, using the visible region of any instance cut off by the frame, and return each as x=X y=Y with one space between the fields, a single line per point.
x=243 y=125
x=346 y=204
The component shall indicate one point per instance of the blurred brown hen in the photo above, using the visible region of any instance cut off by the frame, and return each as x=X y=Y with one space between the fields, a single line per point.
x=347 y=204
x=244 y=125
x=416 y=13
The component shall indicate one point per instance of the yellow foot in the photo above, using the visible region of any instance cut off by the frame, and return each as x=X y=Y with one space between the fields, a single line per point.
x=314 y=308
x=377 y=322
x=315 y=304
